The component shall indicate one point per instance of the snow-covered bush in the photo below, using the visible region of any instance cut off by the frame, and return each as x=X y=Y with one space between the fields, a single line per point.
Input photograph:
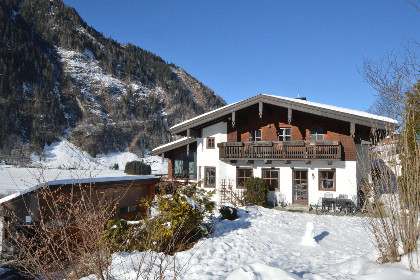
x=256 y=192
x=229 y=213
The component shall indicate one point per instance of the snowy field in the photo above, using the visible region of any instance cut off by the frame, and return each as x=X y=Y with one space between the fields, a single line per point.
x=64 y=161
x=267 y=244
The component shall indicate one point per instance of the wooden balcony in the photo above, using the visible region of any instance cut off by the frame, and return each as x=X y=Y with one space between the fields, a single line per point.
x=285 y=150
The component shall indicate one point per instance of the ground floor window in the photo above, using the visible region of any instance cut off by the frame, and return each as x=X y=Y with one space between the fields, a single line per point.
x=210 y=177
x=300 y=186
x=326 y=180
x=184 y=165
x=271 y=178
x=242 y=175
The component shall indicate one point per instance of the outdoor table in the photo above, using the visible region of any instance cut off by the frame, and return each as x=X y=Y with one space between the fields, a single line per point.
x=328 y=202
x=345 y=203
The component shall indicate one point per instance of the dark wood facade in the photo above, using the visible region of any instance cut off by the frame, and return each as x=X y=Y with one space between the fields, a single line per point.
x=337 y=143
x=126 y=192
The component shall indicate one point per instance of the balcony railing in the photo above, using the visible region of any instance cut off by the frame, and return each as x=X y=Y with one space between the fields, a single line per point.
x=284 y=150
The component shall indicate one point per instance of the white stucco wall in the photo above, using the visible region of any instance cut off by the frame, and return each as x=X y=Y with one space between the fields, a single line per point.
x=346 y=173
x=345 y=176
x=210 y=157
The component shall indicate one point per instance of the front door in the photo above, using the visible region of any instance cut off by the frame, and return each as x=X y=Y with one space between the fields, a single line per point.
x=300 y=187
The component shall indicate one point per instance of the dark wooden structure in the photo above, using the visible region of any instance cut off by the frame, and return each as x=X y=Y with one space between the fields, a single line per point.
x=28 y=207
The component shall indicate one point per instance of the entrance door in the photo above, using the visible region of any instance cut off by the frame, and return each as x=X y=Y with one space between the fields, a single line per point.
x=300 y=187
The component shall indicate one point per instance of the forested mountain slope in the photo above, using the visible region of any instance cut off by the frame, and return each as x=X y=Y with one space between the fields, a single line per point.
x=61 y=78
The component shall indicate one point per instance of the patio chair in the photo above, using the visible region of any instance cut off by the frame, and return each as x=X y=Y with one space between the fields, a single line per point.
x=328 y=195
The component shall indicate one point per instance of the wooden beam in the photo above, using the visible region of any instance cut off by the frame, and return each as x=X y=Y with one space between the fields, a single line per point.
x=260 y=109
x=289 y=115
x=233 y=118
x=193 y=133
x=352 y=129
x=188 y=149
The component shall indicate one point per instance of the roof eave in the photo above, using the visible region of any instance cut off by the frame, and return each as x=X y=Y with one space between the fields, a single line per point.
x=226 y=110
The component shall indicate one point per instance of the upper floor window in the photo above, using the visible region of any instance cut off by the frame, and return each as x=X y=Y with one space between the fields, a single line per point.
x=285 y=134
x=255 y=135
x=211 y=142
x=316 y=134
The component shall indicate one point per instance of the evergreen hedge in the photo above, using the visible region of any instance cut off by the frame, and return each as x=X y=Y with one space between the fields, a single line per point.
x=256 y=192
x=137 y=168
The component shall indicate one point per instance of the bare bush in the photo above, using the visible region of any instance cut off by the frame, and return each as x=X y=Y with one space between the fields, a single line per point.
x=64 y=242
x=393 y=187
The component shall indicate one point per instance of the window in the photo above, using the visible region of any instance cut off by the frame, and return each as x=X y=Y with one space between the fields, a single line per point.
x=285 y=134
x=327 y=180
x=316 y=134
x=271 y=178
x=242 y=174
x=255 y=135
x=300 y=187
x=210 y=142
x=210 y=177
x=128 y=209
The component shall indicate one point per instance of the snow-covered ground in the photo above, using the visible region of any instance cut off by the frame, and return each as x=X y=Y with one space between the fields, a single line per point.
x=63 y=160
x=267 y=244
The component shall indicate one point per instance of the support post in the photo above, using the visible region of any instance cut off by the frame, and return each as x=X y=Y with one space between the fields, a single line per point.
x=233 y=119
x=260 y=104
x=289 y=115
x=352 y=129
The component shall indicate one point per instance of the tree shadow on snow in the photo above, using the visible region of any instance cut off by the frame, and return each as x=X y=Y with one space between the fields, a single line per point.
x=224 y=227
x=321 y=236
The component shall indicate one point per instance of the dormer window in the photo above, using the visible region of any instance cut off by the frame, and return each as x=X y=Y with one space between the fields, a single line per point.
x=316 y=134
x=255 y=135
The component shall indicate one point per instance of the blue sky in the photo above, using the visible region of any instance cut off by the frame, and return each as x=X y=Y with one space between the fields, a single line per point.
x=243 y=48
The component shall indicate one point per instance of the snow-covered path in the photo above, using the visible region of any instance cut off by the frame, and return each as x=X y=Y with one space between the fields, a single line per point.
x=266 y=244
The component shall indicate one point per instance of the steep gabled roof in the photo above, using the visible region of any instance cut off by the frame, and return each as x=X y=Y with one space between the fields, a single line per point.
x=334 y=112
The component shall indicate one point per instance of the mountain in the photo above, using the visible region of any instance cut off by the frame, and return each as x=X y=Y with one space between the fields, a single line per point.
x=60 y=78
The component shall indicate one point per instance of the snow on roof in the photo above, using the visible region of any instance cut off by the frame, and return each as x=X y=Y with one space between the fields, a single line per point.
x=76 y=181
x=294 y=101
x=337 y=109
x=174 y=143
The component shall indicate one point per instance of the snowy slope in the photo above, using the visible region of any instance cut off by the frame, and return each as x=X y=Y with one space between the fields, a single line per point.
x=63 y=160
x=266 y=244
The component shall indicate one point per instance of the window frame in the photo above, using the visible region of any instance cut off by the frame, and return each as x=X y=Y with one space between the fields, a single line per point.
x=320 y=179
x=284 y=134
x=211 y=143
x=253 y=137
x=238 y=169
x=271 y=178
x=206 y=177
x=318 y=133
x=300 y=181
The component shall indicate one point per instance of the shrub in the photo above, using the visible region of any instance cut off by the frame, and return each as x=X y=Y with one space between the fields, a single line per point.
x=229 y=213
x=177 y=225
x=115 y=166
x=256 y=192
x=137 y=168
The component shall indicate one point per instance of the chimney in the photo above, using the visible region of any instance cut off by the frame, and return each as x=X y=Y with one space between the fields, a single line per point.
x=301 y=98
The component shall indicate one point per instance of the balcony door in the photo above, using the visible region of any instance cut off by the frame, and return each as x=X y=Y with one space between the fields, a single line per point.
x=300 y=187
